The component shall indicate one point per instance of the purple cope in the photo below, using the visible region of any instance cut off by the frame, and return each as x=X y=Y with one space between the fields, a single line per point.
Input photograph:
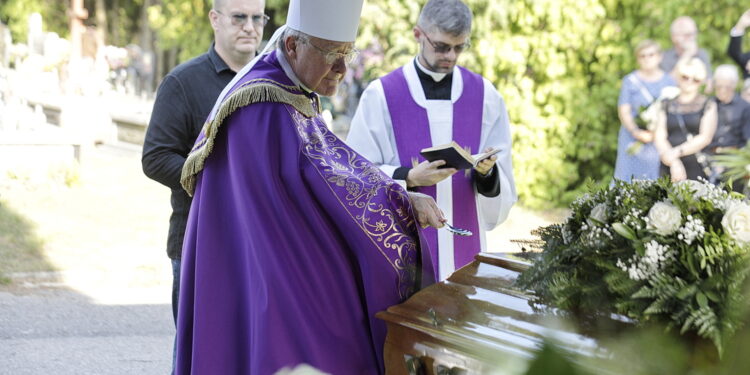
x=293 y=243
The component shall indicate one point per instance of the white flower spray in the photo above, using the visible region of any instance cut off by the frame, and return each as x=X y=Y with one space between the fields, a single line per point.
x=657 y=256
x=692 y=230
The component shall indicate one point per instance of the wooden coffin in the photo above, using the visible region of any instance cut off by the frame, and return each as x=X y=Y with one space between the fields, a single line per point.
x=475 y=322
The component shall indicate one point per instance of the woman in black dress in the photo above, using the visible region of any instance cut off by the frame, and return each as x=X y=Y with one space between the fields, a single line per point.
x=686 y=125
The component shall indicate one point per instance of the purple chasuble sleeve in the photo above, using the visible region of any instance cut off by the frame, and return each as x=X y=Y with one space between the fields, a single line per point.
x=294 y=242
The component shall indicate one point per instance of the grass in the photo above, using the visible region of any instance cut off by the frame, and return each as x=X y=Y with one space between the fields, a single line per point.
x=21 y=249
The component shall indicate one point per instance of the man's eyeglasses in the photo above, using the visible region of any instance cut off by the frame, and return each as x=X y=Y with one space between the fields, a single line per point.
x=240 y=19
x=441 y=47
x=688 y=78
x=332 y=57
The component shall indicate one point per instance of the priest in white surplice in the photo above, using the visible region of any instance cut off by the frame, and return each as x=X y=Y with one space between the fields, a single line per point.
x=431 y=101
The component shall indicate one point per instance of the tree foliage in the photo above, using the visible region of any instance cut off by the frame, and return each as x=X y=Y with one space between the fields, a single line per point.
x=15 y=14
x=558 y=65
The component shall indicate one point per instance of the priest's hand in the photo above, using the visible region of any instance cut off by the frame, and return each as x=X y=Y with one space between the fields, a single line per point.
x=426 y=210
x=485 y=166
x=427 y=174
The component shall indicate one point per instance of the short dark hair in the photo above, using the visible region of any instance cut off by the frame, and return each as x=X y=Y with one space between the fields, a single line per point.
x=448 y=16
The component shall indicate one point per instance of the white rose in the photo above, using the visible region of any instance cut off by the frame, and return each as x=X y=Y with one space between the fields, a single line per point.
x=736 y=222
x=664 y=218
x=669 y=92
x=599 y=213
x=699 y=189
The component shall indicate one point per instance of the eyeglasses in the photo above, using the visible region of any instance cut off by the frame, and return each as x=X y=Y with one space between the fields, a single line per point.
x=441 y=47
x=645 y=55
x=332 y=57
x=240 y=19
x=688 y=78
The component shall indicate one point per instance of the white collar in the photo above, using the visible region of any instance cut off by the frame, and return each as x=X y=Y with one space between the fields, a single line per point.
x=437 y=77
x=288 y=70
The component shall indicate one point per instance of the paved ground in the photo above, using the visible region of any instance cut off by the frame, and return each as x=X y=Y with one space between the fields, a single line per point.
x=107 y=308
x=61 y=331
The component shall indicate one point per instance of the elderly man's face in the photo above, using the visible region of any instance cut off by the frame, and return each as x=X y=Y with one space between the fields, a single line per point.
x=320 y=64
x=725 y=89
x=439 y=51
x=684 y=34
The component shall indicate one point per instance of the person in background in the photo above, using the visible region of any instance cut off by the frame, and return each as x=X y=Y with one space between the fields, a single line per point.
x=431 y=101
x=636 y=154
x=294 y=241
x=183 y=102
x=734 y=50
x=733 y=114
x=686 y=125
x=684 y=35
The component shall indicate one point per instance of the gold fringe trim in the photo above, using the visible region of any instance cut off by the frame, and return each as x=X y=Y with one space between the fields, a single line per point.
x=253 y=91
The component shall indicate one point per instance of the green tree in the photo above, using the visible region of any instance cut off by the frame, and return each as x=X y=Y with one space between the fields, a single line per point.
x=15 y=14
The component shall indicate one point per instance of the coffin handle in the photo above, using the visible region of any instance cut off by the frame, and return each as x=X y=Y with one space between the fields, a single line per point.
x=445 y=370
x=414 y=365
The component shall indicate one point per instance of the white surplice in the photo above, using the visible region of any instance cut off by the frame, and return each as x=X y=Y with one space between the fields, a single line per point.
x=371 y=134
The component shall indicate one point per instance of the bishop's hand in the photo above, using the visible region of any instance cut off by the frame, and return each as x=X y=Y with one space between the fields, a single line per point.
x=426 y=210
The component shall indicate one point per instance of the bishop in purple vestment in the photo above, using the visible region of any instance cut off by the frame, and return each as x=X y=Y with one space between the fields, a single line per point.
x=294 y=241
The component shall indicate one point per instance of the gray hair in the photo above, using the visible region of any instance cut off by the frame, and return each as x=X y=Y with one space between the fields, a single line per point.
x=448 y=16
x=289 y=32
x=218 y=4
x=683 y=22
x=727 y=71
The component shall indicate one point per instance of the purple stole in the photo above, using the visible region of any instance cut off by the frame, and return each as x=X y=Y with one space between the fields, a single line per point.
x=411 y=129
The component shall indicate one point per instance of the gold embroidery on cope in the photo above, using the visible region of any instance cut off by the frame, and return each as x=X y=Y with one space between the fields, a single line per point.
x=362 y=182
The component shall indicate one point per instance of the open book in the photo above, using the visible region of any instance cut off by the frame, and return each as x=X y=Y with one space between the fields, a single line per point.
x=455 y=156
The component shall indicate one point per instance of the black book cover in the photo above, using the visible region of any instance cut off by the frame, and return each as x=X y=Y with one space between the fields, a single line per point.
x=451 y=154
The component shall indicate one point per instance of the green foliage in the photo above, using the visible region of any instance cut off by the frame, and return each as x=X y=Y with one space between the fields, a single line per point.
x=735 y=162
x=15 y=13
x=558 y=65
x=21 y=249
x=183 y=24
x=653 y=251
x=550 y=360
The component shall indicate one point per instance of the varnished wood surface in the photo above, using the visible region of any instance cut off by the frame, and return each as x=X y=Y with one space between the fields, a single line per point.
x=475 y=322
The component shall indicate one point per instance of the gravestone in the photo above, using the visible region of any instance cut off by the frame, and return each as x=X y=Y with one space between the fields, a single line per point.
x=5 y=44
x=35 y=39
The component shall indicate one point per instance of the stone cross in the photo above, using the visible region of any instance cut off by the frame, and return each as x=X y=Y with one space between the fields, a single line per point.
x=77 y=14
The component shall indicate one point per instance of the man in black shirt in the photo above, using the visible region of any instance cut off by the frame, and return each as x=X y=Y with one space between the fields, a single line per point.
x=183 y=102
x=733 y=116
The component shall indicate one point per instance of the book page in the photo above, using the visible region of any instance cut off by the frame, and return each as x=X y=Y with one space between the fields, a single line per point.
x=485 y=155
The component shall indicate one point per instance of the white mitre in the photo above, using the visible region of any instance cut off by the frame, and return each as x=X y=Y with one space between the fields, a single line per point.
x=335 y=20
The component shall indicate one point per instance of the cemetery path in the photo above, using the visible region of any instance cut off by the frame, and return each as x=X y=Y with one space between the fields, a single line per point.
x=105 y=309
